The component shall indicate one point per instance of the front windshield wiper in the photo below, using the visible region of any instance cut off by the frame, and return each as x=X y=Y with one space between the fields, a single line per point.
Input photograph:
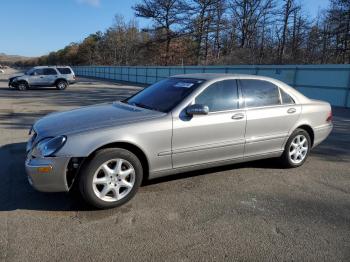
x=144 y=106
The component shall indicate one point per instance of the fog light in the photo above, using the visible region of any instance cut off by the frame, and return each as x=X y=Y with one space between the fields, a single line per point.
x=44 y=169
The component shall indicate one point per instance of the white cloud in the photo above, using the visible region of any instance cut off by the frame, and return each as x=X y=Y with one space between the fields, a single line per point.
x=94 y=3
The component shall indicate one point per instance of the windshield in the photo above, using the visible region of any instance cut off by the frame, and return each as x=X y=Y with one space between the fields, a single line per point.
x=29 y=71
x=165 y=95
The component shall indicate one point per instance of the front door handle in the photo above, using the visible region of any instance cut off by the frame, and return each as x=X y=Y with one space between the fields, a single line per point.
x=238 y=116
x=291 y=110
x=41 y=77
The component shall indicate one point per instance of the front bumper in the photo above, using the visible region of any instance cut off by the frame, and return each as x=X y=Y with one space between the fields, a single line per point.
x=48 y=174
x=12 y=84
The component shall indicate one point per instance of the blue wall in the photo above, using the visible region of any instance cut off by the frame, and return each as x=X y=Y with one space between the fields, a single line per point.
x=326 y=82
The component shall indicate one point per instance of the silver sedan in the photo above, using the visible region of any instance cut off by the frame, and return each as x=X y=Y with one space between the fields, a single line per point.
x=179 y=124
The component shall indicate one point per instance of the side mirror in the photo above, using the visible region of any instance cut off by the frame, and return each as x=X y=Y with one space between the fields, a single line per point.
x=197 y=109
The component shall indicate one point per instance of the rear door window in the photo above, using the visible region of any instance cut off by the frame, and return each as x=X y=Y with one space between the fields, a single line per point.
x=64 y=70
x=50 y=71
x=257 y=93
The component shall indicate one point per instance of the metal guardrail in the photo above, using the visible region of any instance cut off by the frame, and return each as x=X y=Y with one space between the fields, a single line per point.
x=326 y=82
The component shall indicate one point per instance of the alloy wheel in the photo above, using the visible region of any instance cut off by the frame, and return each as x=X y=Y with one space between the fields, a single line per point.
x=113 y=180
x=61 y=85
x=22 y=87
x=298 y=149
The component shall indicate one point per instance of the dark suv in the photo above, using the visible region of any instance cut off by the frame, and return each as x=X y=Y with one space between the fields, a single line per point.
x=58 y=76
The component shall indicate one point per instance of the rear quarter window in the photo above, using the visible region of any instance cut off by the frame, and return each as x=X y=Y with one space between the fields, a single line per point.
x=286 y=99
x=64 y=70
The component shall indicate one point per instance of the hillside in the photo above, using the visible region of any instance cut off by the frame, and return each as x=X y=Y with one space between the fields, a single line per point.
x=4 y=58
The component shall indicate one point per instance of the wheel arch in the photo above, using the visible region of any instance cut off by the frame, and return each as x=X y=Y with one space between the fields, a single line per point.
x=127 y=146
x=23 y=81
x=309 y=130
x=60 y=79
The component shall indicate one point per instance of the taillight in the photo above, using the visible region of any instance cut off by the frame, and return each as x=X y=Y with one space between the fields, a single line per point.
x=329 y=117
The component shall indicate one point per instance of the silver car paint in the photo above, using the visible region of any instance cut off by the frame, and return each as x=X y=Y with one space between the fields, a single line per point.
x=201 y=139
x=42 y=80
x=88 y=118
x=55 y=181
x=173 y=142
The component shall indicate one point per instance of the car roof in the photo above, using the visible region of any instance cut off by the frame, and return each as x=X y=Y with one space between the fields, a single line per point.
x=38 y=67
x=223 y=76
x=220 y=76
x=205 y=76
x=213 y=76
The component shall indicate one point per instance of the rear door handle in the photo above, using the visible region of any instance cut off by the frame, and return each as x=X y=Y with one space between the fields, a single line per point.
x=238 y=116
x=291 y=110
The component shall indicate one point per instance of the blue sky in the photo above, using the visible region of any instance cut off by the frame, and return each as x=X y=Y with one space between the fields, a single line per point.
x=36 y=27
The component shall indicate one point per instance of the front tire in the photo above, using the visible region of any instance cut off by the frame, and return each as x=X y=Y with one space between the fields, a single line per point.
x=61 y=85
x=22 y=86
x=297 y=149
x=111 y=178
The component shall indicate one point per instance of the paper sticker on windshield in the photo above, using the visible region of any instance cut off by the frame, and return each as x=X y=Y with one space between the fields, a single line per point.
x=183 y=84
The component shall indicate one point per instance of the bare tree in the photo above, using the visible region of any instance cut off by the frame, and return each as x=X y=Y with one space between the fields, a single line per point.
x=219 y=25
x=247 y=14
x=339 y=29
x=288 y=9
x=166 y=14
x=201 y=12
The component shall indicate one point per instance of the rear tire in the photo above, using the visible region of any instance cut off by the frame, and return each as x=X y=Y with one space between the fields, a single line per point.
x=111 y=178
x=61 y=85
x=297 y=149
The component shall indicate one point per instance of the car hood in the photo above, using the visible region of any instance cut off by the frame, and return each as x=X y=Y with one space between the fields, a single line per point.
x=91 y=117
x=14 y=76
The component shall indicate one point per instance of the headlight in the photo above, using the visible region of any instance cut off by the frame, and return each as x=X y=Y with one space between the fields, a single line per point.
x=49 y=146
x=31 y=140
